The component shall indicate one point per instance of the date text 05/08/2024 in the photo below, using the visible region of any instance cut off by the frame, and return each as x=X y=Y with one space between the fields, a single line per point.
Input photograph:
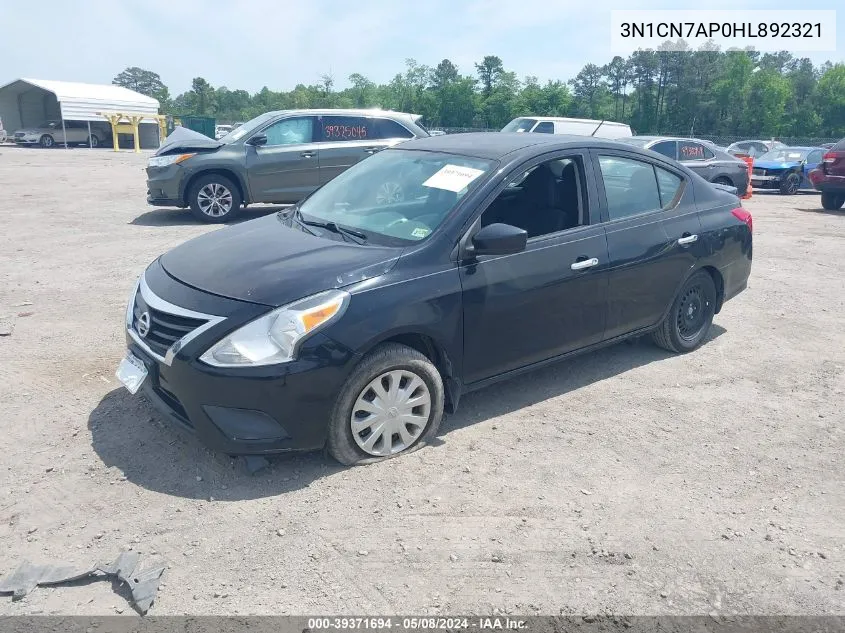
x=417 y=623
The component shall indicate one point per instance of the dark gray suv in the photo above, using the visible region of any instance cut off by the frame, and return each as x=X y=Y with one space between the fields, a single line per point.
x=278 y=157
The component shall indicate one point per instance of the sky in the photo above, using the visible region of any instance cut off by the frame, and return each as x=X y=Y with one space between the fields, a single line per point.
x=249 y=44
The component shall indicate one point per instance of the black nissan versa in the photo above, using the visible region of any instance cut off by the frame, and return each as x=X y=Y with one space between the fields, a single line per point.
x=352 y=323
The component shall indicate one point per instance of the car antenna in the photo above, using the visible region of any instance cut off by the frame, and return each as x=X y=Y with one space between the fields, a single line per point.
x=597 y=128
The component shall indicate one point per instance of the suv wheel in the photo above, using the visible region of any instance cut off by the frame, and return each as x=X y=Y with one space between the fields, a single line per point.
x=832 y=201
x=214 y=198
x=392 y=403
x=46 y=141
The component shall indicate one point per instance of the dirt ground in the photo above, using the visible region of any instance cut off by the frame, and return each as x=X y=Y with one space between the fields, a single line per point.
x=628 y=481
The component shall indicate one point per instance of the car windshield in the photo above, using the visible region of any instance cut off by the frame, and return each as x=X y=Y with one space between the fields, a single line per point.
x=247 y=128
x=396 y=197
x=520 y=125
x=785 y=155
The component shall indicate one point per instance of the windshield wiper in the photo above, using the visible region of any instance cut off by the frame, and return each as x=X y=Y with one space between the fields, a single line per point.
x=334 y=227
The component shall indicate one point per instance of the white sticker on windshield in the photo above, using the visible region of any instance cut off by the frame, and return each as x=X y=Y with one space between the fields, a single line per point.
x=420 y=232
x=453 y=178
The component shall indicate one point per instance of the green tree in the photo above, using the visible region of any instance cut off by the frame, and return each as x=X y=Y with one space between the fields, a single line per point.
x=768 y=91
x=200 y=99
x=490 y=70
x=146 y=82
x=830 y=101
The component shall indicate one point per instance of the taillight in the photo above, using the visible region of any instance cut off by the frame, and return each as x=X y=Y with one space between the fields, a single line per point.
x=830 y=157
x=744 y=216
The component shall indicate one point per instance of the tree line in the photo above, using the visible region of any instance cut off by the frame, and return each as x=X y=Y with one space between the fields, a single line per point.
x=701 y=92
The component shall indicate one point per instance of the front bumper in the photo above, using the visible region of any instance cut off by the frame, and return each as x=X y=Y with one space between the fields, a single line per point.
x=27 y=141
x=244 y=411
x=766 y=182
x=164 y=186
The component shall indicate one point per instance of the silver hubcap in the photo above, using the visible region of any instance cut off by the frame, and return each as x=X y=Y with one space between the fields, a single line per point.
x=389 y=192
x=391 y=413
x=214 y=200
x=48 y=141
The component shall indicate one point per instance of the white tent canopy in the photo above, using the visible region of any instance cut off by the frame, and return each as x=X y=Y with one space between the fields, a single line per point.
x=28 y=102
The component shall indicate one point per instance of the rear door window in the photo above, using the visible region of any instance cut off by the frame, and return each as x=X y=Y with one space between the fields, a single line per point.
x=347 y=128
x=668 y=184
x=630 y=186
x=688 y=150
x=814 y=157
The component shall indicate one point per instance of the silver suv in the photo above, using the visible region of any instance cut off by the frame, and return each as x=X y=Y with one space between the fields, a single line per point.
x=278 y=157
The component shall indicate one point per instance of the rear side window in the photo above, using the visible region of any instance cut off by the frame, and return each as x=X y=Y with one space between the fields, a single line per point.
x=693 y=151
x=630 y=186
x=545 y=127
x=814 y=157
x=388 y=128
x=347 y=128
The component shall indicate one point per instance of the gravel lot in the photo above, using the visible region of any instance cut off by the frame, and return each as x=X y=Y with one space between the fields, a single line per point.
x=628 y=481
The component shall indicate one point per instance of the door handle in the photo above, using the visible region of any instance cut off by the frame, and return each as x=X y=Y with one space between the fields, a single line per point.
x=686 y=238
x=307 y=154
x=372 y=150
x=584 y=264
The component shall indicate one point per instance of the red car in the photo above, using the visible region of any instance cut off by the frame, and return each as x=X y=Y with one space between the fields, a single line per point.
x=829 y=177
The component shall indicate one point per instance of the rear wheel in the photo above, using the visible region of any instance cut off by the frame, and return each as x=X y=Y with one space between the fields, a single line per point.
x=789 y=185
x=724 y=180
x=93 y=141
x=392 y=403
x=832 y=201
x=690 y=317
x=214 y=198
x=46 y=141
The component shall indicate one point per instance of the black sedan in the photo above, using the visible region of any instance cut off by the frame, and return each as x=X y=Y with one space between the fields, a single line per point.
x=703 y=157
x=353 y=323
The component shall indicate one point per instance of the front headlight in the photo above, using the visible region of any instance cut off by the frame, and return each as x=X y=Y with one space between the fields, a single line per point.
x=164 y=161
x=276 y=336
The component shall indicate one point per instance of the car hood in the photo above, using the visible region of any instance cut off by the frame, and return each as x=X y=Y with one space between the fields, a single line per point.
x=181 y=138
x=269 y=262
x=771 y=164
x=31 y=130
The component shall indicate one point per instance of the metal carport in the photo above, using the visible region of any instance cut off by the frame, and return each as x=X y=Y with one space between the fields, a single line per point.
x=29 y=102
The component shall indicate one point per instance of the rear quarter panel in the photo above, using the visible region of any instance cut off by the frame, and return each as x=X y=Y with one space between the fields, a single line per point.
x=726 y=240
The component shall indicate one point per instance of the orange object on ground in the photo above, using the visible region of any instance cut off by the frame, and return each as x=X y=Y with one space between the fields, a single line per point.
x=750 y=163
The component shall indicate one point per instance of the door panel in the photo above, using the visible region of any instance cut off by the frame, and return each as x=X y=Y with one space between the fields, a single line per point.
x=287 y=168
x=524 y=308
x=647 y=263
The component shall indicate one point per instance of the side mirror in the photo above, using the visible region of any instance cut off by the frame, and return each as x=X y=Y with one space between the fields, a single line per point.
x=499 y=239
x=258 y=140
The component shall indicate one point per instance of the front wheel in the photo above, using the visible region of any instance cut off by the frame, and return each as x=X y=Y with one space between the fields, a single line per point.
x=789 y=185
x=46 y=141
x=832 y=201
x=392 y=403
x=214 y=198
x=690 y=317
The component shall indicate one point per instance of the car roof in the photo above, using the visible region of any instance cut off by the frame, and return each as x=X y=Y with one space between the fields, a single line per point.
x=348 y=112
x=496 y=145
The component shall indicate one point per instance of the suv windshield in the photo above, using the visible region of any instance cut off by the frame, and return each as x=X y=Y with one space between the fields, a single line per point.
x=396 y=196
x=520 y=125
x=786 y=155
x=248 y=127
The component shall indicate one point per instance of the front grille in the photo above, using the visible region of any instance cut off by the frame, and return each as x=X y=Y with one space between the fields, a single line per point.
x=758 y=171
x=165 y=328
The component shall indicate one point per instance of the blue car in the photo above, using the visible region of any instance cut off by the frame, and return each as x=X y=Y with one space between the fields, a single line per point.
x=786 y=168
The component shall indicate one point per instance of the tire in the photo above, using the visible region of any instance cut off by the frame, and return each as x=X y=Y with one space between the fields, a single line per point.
x=790 y=184
x=93 y=141
x=832 y=201
x=215 y=199
x=396 y=365
x=689 y=319
x=46 y=141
